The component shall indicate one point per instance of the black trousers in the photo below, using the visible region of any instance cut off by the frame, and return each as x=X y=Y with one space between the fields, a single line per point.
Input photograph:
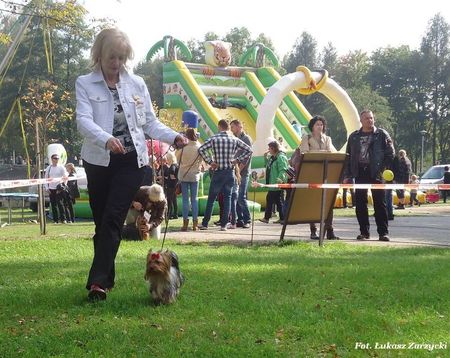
x=274 y=198
x=172 y=204
x=111 y=190
x=379 y=205
x=56 y=202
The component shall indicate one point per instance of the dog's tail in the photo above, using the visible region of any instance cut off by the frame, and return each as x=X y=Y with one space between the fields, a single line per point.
x=176 y=265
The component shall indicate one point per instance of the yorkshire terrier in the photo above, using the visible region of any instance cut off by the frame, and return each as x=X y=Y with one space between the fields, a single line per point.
x=163 y=273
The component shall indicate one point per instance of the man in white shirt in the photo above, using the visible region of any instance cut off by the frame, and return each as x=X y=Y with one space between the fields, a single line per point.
x=56 y=170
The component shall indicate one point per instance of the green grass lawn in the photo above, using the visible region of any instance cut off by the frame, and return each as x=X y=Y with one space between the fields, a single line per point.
x=295 y=300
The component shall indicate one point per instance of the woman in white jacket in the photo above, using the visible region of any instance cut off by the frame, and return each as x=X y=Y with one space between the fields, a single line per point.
x=114 y=115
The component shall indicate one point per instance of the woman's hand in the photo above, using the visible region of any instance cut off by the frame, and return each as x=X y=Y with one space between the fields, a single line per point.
x=180 y=141
x=114 y=145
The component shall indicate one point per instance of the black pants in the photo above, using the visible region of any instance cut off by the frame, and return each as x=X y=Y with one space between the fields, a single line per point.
x=379 y=205
x=274 y=198
x=68 y=206
x=111 y=190
x=445 y=193
x=172 y=204
x=56 y=202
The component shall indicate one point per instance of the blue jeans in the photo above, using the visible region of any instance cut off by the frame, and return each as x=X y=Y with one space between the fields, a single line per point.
x=233 y=206
x=221 y=181
x=243 y=213
x=191 y=187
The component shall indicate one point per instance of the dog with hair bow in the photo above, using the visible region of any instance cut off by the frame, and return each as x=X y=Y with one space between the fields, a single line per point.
x=163 y=273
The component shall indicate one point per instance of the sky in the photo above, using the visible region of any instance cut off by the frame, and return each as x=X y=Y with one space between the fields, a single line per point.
x=348 y=24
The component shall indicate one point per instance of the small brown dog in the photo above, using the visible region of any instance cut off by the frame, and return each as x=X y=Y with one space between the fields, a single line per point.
x=141 y=225
x=163 y=273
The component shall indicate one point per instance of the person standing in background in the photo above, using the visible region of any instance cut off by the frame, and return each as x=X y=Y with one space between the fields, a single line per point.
x=402 y=172
x=189 y=173
x=369 y=152
x=318 y=141
x=220 y=152
x=243 y=213
x=446 y=181
x=56 y=170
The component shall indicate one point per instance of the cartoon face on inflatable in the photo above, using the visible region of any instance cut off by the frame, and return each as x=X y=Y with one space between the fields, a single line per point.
x=217 y=53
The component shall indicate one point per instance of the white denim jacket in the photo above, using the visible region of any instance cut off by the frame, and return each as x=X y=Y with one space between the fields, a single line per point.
x=95 y=116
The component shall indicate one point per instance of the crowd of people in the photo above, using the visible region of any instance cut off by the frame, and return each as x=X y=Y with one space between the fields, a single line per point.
x=127 y=184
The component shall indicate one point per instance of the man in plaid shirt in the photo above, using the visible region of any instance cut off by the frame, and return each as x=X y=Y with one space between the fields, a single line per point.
x=219 y=152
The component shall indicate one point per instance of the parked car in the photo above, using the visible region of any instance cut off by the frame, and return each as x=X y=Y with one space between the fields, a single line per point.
x=434 y=175
x=82 y=184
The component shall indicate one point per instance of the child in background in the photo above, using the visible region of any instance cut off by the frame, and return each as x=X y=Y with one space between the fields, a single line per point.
x=413 y=193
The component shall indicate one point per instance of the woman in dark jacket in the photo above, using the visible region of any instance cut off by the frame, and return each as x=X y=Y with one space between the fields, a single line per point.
x=402 y=172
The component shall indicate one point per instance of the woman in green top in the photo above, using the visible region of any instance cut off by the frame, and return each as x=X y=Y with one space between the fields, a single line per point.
x=276 y=165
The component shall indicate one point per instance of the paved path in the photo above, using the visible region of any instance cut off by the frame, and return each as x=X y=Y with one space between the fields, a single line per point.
x=432 y=227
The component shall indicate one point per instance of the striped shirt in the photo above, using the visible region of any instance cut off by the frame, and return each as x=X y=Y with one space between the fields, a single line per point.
x=222 y=149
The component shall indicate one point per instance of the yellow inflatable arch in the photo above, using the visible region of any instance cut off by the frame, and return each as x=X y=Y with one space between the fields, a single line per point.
x=304 y=82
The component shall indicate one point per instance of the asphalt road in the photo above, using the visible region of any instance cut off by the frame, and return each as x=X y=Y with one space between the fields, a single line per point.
x=432 y=227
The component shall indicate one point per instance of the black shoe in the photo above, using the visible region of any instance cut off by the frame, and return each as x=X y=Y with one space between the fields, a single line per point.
x=314 y=236
x=363 y=237
x=390 y=218
x=96 y=293
x=217 y=223
x=240 y=224
x=400 y=207
x=332 y=236
x=384 y=238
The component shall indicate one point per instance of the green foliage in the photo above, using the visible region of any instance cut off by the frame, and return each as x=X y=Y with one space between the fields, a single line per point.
x=303 y=53
x=237 y=301
x=70 y=37
x=241 y=39
x=435 y=49
x=151 y=72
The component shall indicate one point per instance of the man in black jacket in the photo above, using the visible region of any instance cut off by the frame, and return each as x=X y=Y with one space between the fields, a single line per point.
x=369 y=152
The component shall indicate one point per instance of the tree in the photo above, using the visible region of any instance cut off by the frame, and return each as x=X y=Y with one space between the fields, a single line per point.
x=329 y=59
x=352 y=69
x=303 y=53
x=152 y=73
x=52 y=111
x=56 y=39
x=240 y=38
x=393 y=75
x=435 y=52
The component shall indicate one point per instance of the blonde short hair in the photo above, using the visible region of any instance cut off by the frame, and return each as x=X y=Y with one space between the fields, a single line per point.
x=171 y=158
x=402 y=153
x=108 y=40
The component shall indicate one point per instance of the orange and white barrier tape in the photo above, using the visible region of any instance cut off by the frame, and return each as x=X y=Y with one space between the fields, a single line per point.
x=8 y=184
x=354 y=186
